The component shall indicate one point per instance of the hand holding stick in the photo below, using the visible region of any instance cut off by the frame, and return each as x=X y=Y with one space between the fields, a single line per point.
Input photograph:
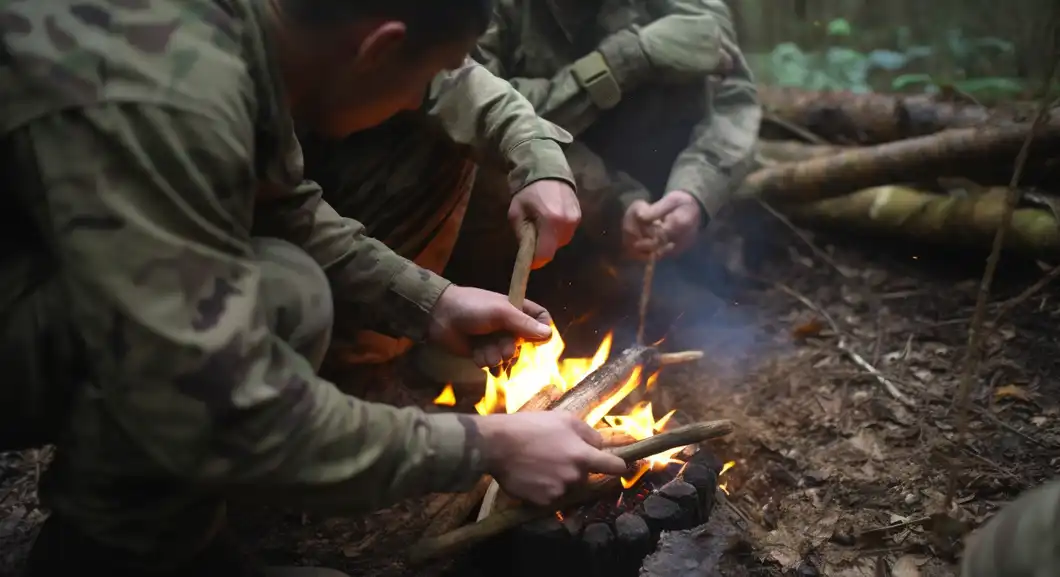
x=599 y=485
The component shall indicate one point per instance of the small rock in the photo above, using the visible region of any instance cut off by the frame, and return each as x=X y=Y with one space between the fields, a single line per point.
x=911 y=498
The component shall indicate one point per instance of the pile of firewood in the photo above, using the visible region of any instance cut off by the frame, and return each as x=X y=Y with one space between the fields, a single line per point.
x=450 y=532
x=917 y=167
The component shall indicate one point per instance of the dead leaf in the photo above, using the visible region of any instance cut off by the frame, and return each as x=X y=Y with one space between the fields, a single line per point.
x=907 y=566
x=866 y=442
x=809 y=329
x=1012 y=392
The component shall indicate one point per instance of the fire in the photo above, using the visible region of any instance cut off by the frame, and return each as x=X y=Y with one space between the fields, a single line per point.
x=541 y=366
x=447 y=398
x=640 y=423
x=724 y=468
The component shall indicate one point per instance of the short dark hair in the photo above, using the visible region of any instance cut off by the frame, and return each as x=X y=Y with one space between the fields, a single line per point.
x=429 y=22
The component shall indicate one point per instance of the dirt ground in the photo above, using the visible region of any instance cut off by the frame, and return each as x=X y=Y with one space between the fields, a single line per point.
x=839 y=362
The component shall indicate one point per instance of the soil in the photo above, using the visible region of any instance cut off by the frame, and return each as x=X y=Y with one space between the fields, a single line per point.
x=838 y=360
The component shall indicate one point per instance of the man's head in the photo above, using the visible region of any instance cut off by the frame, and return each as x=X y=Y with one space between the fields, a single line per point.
x=352 y=64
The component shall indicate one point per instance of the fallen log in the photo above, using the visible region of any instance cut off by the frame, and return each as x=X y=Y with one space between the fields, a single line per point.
x=947 y=153
x=875 y=118
x=780 y=151
x=591 y=398
x=598 y=486
x=969 y=220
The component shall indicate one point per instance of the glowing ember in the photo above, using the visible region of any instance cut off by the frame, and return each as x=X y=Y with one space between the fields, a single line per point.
x=541 y=366
x=724 y=468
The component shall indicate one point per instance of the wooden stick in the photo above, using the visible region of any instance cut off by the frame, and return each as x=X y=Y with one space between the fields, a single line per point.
x=667 y=359
x=450 y=543
x=524 y=259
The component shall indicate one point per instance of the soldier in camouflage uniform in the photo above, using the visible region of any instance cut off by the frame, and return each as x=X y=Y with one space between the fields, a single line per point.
x=658 y=97
x=410 y=179
x=1022 y=540
x=168 y=270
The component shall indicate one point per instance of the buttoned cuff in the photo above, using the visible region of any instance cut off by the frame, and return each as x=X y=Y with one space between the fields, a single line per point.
x=538 y=159
x=709 y=186
x=413 y=293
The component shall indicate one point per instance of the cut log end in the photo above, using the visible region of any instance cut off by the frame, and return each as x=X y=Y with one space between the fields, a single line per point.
x=667 y=359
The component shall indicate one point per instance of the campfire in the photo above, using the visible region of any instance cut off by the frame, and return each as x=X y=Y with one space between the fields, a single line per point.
x=613 y=522
x=541 y=371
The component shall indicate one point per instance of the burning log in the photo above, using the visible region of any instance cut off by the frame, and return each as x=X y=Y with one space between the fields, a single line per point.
x=946 y=153
x=615 y=437
x=599 y=485
x=596 y=393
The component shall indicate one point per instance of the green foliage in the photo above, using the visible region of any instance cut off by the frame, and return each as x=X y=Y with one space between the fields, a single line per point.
x=967 y=61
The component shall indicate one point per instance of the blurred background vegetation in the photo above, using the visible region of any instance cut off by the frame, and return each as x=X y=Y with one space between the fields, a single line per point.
x=990 y=50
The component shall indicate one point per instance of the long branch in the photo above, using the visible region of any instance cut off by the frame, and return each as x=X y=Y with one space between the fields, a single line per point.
x=975 y=329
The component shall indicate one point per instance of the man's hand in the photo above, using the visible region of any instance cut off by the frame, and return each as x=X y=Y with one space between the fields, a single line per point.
x=668 y=226
x=553 y=207
x=536 y=456
x=484 y=326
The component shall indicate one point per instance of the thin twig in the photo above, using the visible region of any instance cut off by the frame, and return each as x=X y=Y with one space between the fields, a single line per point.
x=975 y=329
x=649 y=276
x=844 y=346
x=1007 y=306
x=804 y=238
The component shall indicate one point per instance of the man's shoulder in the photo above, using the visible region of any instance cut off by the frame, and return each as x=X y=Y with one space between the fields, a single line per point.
x=60 y=54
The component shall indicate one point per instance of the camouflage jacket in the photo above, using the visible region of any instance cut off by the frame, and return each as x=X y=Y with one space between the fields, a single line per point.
x=481 y=110
x=153 y=132
x=533 y=43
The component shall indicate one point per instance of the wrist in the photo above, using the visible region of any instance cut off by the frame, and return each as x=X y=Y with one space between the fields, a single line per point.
x=625 y=57
x=491 y=433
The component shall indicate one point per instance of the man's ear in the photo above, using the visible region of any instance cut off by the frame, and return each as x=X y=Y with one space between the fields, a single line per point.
x=382 y=43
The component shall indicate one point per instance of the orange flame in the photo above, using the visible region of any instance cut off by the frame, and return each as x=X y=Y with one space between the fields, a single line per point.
x=540 y=366
x=724 y=486
x=447 y=398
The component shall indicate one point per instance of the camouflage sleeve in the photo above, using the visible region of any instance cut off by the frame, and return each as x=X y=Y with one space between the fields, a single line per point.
x=559 y=99
x=149 y=208
x=1021 y=540
x=721 y=150
x=383 y=290
x=484 y=111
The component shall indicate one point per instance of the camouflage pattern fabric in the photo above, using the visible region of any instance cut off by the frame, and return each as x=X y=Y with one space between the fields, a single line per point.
x=1022 y=540
x=410 y=179
x=697 y=137
x=153 y=147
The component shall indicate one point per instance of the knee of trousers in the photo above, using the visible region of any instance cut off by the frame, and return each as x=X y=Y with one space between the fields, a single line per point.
x=297 y=297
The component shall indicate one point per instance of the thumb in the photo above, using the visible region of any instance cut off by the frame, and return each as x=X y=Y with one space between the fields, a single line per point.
x=524 y=326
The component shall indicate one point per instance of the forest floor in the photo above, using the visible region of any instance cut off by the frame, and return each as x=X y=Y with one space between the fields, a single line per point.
x=839 y=363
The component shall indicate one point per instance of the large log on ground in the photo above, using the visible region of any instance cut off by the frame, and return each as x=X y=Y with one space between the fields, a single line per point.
x=947 y=153
x=968 y=220
x=874 y=118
